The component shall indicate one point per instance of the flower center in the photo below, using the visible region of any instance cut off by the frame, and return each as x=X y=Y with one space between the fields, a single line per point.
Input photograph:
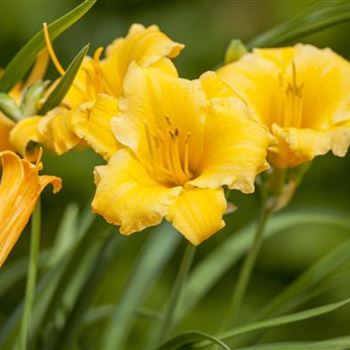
x=169 y=153
x=290 y=103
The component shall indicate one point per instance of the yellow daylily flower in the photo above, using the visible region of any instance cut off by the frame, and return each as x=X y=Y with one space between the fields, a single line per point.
x=91 y=102
x=20 y=189
x=183 y=140
x=302 y=94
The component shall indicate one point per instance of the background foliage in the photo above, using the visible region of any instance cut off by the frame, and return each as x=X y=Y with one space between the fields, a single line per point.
x=205 y=27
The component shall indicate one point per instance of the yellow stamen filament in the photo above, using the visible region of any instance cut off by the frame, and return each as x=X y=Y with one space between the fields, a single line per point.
x=291 y=104
x=169 y=155
x=51 y=51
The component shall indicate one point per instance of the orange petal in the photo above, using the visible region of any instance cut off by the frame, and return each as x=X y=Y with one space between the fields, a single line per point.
x=20 y=189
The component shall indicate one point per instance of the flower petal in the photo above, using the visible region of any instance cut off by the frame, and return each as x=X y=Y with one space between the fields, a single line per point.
x=255 y=80
x=6 y=126
x=155 y=103
x=296 y=146
x=92 y=123
x=56 y=132
x=146 y=46
x=197 y=213
x=235 y=146
x=20 y=188
x=22 y=134
x=126 y=195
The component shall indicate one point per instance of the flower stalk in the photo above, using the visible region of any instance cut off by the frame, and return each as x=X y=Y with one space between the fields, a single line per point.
x=32 y=274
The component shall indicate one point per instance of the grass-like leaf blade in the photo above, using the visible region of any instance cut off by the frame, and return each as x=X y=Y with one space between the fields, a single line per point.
x=225 y=255
x=186 y=339
x=157 y=250
x=278 y=321
x=65 y=83
x=318 y=17
x=24 y=59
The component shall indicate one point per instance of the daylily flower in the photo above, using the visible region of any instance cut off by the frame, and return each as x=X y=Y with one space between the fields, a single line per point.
x=91 y=102
x=20 y=189
x=183 y=141
x=302 y=94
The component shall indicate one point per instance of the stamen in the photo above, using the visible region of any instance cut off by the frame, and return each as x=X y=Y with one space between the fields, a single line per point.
x=186 y=168
x=149 y=141
x=51 y=51
x=290 y=104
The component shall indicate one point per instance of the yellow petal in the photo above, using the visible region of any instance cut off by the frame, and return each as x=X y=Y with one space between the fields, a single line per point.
x=6 y=126
x=56 y=132
x=22 y=134
x=297 y=146
x=301 y=93
x=254 y=79
x=156 y=103
x=86 y=85
x=20 y=189
x=235 y=146
x=197 y=213
x=126 y=195
x=92 y=123
x=146 y=46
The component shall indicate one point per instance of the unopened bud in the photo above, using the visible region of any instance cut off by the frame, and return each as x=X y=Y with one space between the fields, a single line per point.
x=235 y=51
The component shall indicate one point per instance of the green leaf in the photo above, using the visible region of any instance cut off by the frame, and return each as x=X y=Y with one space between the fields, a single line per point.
x=12 y=273
x=186 y=339
x=21 y=63
x=318 y=17
x=67 y=336
x=279 y=321
x=290 y=295
x=48 y=285
x=63 y=86
x=219 y=261
x=66 y=233
x=342 y=343
x=148 y=266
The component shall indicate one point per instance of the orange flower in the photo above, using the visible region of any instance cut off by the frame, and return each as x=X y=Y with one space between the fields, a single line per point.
x=20 y=189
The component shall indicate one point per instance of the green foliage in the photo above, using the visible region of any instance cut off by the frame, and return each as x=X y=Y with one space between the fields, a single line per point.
x=65 y=83
x=24 y=59
x=323 y=15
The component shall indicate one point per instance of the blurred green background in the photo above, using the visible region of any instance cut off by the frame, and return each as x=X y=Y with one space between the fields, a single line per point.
x=206 y=28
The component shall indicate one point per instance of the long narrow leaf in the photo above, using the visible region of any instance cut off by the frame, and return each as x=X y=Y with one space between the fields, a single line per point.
x=308 y=279
x=323 y=15
x=279 y=321
x=186 y=339
x=342 y=343
x=23 y=60
x=219 y=261
x=63 y=86
x=156 y=252
x=46 y=288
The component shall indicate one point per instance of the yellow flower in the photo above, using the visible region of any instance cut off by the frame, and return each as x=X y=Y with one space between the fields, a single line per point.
x=20 y=189
x=302 y=94
x=183 y=140
x=91 y=102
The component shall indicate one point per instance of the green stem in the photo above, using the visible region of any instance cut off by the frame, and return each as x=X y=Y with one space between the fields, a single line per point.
x=31 y=279
x=249 y=263
x=167 y=319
